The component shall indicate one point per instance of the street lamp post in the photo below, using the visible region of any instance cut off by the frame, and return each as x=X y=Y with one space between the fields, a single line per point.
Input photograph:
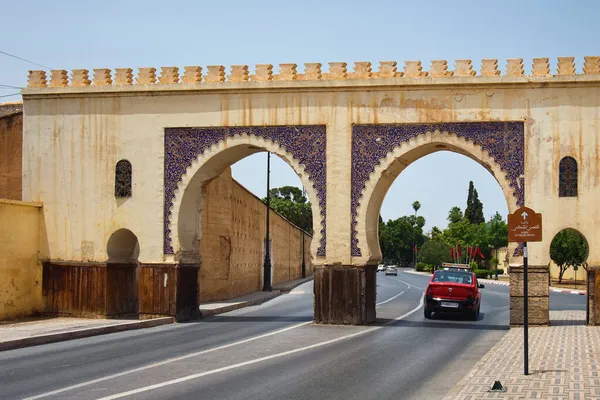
x=267 y=264
x=303 y=262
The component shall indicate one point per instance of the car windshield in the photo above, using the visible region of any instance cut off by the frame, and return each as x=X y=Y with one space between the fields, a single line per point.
x=453 y=277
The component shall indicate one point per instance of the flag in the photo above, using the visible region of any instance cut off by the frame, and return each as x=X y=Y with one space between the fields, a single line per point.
x=470 y=251
x=416 y=248
x=452 y=253
x=458 y=250
x=477 y=251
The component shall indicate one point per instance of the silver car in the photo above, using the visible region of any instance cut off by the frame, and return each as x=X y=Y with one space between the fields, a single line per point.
x=391 y=270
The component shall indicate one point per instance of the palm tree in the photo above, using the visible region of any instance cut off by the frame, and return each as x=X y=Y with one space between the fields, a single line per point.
x=415 y=205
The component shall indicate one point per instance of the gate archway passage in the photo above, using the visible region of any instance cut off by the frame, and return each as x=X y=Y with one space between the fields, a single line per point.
x=347 y=134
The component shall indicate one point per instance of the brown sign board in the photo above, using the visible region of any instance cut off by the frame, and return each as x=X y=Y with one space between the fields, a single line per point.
x=524 y=225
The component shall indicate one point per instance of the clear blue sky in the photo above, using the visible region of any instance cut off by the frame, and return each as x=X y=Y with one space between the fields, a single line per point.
x=111 y=34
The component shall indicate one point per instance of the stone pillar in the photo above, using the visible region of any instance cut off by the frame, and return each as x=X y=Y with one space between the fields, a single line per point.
x=344 y=294
x=539 y=294
x=593 y=295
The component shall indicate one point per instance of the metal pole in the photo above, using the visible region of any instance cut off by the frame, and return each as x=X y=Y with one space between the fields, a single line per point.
x=525 y=311
x=303 y=262
x=267 y=265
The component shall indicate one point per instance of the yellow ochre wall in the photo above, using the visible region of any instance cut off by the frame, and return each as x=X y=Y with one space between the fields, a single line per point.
x=233 y=230
x=20 y=272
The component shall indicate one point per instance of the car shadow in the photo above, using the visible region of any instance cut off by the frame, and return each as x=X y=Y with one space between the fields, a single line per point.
x=439 y=322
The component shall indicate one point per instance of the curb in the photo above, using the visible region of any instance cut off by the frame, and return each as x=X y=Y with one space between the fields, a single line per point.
x=286 y=288
x=495 y=282
x=571 y=291
x=241 y=304
x=83 y=333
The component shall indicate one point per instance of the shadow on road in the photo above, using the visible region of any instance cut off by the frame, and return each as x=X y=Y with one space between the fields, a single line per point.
x=443 y=325
x=233 y=318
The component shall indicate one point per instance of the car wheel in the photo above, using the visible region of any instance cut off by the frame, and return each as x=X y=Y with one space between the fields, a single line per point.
x=473 y=315
x=427 y=313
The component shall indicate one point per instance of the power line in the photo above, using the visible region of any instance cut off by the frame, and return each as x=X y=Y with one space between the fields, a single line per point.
x=10 y=87
x=23 y=59
x=10 y=95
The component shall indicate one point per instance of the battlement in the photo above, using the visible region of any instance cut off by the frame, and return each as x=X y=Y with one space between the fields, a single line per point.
x=216 y=74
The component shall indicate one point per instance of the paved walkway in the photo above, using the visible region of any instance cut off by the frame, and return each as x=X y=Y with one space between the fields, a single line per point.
x=564 y=361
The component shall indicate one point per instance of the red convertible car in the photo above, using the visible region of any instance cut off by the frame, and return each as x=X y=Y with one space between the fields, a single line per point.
x=453 y=291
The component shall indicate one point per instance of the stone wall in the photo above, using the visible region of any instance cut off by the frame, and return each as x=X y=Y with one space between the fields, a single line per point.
x=20 y=272
x=231 y=246
x=11 y=150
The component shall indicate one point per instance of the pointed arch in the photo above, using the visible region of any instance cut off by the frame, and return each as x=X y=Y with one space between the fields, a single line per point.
x=381 y=152
x=194 y=156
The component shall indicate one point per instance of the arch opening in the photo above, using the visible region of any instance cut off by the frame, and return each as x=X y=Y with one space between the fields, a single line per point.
x=569 y=252
x=218 y=223
x=123 y=247
x=398 y=160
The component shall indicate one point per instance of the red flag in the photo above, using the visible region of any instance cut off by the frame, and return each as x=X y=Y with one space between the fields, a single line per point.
x=470 y=250
x=479 y=252
x=416 y=249
x=452 y=253
x=458 y=251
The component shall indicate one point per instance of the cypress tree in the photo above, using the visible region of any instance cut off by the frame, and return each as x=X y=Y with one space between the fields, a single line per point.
x=469 y=209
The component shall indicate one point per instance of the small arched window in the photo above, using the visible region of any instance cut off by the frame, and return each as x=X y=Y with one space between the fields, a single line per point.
x=123 y=179
x=567 y=181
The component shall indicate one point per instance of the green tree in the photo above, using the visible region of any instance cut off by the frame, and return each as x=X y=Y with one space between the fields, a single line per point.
x=434 y=252
x=474 y=210
x=436 y=233
x=497 y=234
x=455 y=214
x=290 y=202
x=396 y=238
x=568 y=248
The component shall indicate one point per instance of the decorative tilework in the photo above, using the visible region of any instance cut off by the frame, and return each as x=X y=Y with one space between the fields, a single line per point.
x=504 y=141
x=307 y=145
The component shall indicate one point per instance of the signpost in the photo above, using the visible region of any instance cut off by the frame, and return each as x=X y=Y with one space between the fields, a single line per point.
x=525 y=225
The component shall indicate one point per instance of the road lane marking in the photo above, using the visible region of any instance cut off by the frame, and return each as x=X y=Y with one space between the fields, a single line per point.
x=407 y=284
x=390 y=299
x=258 y=360
x=167 y=361
x=175 y=359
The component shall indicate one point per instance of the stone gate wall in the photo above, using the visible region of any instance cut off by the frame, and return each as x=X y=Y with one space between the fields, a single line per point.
x=20 y=271
x=11 y=150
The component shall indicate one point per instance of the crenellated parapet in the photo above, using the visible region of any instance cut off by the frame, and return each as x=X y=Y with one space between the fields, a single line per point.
x=337 y=71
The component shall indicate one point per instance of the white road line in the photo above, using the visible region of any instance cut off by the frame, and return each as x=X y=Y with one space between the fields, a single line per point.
x=258 y=360
x=390 y=299
x=167 y=361
x=175 y=359
x=407 y=284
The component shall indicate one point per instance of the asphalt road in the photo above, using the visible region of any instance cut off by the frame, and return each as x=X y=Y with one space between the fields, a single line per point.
x=273 y=351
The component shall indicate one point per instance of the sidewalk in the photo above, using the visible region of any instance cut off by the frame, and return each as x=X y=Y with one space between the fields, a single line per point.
x=15 y=335
x=219 y=307
x=35 y=331
x=563 y=363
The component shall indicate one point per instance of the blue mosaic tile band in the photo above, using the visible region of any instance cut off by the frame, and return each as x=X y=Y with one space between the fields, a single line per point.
x=504 y=141
x=306 y=143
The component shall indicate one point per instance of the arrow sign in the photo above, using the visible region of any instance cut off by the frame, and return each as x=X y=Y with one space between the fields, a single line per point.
x=524 y=215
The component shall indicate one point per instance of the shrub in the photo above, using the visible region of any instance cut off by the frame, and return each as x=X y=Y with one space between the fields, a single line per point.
x=420 y=266
x=428 y=268
x=500 y=271
x=481 y=273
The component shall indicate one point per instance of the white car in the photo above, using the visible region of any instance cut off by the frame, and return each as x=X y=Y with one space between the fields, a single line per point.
x=380 y=267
